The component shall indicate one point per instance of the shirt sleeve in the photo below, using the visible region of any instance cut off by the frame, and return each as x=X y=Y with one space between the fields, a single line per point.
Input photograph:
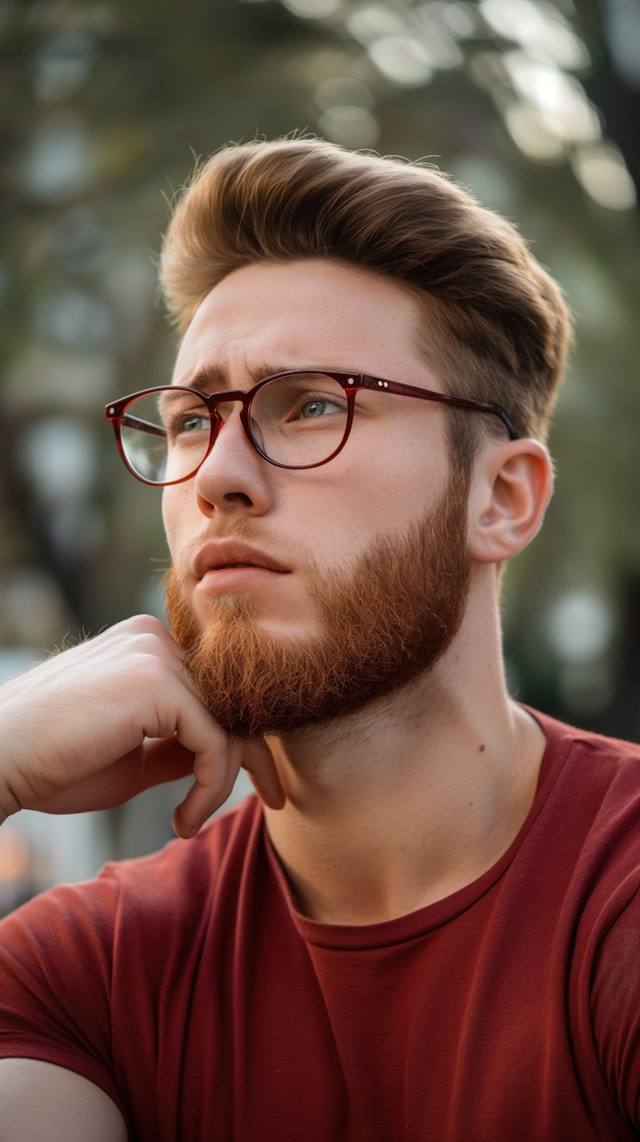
x=615 y=1014
x=55 y=980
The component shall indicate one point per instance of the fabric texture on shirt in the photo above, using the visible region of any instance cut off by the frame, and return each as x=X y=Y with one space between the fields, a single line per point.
x=190 y=988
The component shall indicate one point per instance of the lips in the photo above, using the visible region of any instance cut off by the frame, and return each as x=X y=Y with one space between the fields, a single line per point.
x=225 y=555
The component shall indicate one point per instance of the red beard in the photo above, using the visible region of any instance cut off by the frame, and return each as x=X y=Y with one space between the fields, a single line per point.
x=386 y=621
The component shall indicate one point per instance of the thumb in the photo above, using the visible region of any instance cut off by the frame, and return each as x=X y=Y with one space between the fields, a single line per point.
x=258 y=761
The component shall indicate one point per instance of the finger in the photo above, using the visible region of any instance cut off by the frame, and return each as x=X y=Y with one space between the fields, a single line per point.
x=258 y=761
x=214 y=778
x=163 y=760
x=153 y=763
x=141 y=625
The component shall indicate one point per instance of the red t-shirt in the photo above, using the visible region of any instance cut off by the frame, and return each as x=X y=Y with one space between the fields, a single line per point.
x=189 y=987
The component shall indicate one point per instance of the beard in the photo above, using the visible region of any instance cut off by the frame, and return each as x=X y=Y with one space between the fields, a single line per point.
x=385 y=621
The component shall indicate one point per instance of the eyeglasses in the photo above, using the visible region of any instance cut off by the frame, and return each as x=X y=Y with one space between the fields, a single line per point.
x=294 y=419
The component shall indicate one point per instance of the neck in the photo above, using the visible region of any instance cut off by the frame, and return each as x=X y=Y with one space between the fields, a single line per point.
x=411 y=799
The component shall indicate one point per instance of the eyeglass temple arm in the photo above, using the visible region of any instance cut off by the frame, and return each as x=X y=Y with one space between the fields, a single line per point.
x=440 y=398
x=128 y=421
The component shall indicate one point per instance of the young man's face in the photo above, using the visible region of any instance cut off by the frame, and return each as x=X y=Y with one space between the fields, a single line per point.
x=340 y=582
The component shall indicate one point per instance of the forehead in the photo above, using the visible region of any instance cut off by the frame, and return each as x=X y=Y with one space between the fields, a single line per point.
x=271 y=316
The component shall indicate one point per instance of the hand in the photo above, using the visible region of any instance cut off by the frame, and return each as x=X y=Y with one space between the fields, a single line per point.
x=95 y=725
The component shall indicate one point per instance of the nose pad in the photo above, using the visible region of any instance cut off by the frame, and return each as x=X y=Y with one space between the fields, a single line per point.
x=254 y=432
x=233 y=420
x=217 y=423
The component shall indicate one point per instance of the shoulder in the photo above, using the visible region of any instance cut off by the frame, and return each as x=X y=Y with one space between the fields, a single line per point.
x=584 y=829
x=191 y=868
x=590 y=825
x=164 y=890
x=170 y=891
x=76 y=954
x=583 y=887
x=85 y=968
x=601 y=771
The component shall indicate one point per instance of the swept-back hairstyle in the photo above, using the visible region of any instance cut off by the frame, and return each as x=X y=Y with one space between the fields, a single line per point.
x=495 y=325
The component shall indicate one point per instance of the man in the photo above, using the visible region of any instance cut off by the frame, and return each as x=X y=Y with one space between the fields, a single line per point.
x=426 y=923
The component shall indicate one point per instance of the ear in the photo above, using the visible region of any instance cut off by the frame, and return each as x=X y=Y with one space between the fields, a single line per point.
x=510 y=489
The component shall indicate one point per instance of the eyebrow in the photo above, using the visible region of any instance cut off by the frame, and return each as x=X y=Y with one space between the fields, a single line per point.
x=215 y=378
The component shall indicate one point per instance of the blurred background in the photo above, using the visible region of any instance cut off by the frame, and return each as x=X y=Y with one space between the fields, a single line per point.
x=103 y=107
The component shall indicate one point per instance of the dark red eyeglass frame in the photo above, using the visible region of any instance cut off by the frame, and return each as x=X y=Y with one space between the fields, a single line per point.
x=115 y=411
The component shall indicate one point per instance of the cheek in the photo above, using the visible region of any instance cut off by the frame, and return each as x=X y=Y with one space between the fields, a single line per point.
x=401 y=479
x=175 y=517
x=336 y=515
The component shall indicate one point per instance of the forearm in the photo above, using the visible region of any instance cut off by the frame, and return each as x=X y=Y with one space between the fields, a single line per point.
x=40 y=1102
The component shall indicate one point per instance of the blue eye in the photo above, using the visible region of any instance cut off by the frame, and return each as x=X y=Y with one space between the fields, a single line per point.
x=316 y=408
x=182 y=425
x=194 y=423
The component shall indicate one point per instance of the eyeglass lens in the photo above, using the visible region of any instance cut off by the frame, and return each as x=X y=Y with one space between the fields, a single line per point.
x=295 y=421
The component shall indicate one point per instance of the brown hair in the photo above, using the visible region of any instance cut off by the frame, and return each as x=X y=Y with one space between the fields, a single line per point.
x=496 y=327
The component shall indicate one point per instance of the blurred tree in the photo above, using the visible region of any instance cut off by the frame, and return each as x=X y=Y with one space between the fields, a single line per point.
x=612 y=28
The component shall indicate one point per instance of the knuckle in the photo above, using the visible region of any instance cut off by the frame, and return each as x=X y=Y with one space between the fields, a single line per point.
x=152 y=670
x=137 y=625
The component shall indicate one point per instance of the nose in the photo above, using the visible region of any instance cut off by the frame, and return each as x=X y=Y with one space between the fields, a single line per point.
x=233 y=477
